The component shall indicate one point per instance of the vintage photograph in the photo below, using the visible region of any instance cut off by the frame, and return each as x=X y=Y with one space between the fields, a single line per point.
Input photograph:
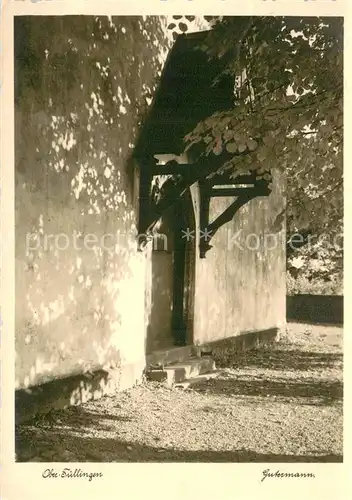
x=178 y=239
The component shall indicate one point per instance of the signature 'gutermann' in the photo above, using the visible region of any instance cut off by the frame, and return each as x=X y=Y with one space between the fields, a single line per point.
x=284 y=475
x=70 y=474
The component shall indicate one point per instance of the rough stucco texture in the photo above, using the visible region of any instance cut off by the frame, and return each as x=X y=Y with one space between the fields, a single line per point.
x=82 y=85
x=244 y=273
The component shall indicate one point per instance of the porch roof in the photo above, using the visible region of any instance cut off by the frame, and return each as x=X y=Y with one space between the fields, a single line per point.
x=185 y=96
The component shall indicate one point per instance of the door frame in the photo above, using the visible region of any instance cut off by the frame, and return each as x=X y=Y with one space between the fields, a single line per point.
x=184 y=271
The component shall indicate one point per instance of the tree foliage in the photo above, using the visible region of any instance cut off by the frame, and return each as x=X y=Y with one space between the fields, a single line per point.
x=288 y=108
x=315 y=269
x=287 y=114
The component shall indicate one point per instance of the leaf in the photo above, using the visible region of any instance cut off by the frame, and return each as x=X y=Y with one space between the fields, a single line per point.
x=261 y=154
x=226 y=121
x=171 y=26
x=267 y=140
x=190 y=18
x=177 y=17
x=183 y=27
x=228 y=134
x=286 y=62
x=231 y=147
x=252 y=144
x=239 y=137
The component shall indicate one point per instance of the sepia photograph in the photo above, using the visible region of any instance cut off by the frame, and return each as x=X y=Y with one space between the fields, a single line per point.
x=178 y=239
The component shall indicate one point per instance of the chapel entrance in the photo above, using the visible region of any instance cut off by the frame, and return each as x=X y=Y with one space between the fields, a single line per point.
x=172 y=279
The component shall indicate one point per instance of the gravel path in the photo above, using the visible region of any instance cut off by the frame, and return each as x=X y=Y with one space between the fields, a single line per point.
x=282 y=403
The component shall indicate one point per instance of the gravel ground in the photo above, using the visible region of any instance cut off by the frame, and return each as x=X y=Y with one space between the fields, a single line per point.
x=282 y=403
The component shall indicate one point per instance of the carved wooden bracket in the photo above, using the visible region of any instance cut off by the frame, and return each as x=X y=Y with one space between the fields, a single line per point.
x=242 y=195
x=155 y=200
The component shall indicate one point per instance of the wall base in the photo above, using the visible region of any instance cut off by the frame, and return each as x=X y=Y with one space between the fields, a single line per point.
x=79 y=389
x=75 y=390
x=239 y=343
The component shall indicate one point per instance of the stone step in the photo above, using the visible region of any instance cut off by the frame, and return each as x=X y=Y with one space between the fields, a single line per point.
x=178 y=372
x=199 y=379
x=168 y=356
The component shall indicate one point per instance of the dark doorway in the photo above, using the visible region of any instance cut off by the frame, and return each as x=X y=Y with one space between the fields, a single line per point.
x=183 y=287
x=173 y=277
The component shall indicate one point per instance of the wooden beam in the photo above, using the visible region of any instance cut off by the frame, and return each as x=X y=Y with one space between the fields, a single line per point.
x=227 y=179
x=226 y=216
x=172 y=168
x=194 y=172
x=239 y=191
x=204 y=193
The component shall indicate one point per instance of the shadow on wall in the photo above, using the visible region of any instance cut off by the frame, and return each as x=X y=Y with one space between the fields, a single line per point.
x=82 y=86
x=160 y=284
x=171 y=307
x=247 y=276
